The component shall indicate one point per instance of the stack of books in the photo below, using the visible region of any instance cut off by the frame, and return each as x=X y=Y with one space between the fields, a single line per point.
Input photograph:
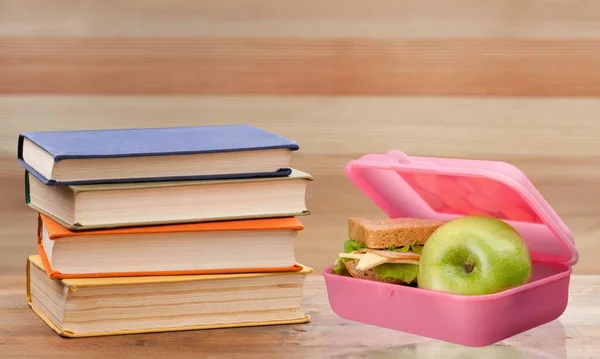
x=151 y=230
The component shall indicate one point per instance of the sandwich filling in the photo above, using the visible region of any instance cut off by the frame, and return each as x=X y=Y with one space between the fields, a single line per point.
x=396 y=263
x=385 y=250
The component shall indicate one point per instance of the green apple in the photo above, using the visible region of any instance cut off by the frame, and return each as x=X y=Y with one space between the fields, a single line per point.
x=474 y=256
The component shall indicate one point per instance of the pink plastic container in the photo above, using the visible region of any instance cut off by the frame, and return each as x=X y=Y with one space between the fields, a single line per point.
x=440 y=188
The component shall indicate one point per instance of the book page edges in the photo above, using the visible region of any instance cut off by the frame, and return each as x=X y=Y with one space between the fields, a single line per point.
x=71 y=334
x=35 y=260
x=295 y=175
x=44 y=318
x=56 y=230
x=118 y=278
x=49 y=322
x=79 y=228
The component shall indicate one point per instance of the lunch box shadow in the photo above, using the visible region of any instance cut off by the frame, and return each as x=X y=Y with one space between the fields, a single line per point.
x=529 y=349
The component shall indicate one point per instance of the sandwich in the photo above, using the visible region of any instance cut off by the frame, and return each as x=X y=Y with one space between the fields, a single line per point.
x=385 y=250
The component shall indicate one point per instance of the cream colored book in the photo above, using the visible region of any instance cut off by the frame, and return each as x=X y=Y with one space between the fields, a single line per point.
x=81 y=207
x=128 y=305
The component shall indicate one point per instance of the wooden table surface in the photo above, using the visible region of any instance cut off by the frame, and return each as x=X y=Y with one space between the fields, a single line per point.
x=575 y=335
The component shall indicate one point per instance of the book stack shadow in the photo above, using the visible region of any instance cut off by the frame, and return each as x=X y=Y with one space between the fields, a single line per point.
x=164 y=229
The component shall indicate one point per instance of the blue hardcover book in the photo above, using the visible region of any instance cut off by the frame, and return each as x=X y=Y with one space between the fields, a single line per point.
x=154 y=154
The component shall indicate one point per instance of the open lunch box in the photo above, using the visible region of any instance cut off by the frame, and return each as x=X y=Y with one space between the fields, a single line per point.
x=443 y=188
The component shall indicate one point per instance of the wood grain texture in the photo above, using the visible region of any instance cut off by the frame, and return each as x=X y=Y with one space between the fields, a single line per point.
x=481 y=128
x=555 y=142
x=407 y=19
x=342 y=77
x=574 y=336
x=300 y=66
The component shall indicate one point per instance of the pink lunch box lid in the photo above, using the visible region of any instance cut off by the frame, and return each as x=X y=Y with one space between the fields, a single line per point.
x=443 y=188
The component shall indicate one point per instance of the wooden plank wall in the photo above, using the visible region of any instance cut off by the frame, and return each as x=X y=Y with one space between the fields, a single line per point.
x=502 y=80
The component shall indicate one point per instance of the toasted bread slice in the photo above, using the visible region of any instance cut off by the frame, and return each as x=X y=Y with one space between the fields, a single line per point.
x=396 y=232
x=350 y=265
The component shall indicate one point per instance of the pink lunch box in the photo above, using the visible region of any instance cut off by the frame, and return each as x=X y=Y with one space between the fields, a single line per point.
x=441 y=188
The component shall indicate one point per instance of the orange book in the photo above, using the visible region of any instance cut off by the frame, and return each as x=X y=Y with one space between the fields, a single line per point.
x=226 y=247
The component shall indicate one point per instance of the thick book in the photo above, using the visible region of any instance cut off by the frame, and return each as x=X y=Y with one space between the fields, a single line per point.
x=260 y=245
x=112 y=306
x=154 y=154
x=82 y=207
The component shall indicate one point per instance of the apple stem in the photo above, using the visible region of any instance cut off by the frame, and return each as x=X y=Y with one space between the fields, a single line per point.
x=468 y=266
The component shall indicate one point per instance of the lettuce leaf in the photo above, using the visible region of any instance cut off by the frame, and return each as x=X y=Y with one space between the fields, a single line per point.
x=349 y=247
x=339 y=267
x=407 y=273
x=352 y=245
x=404 y=272
x=415 y=248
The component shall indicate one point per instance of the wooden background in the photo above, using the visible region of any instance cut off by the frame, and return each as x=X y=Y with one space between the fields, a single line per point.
x=502 y=80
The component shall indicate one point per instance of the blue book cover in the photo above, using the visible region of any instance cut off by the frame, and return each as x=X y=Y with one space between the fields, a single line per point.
x=118 y=143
